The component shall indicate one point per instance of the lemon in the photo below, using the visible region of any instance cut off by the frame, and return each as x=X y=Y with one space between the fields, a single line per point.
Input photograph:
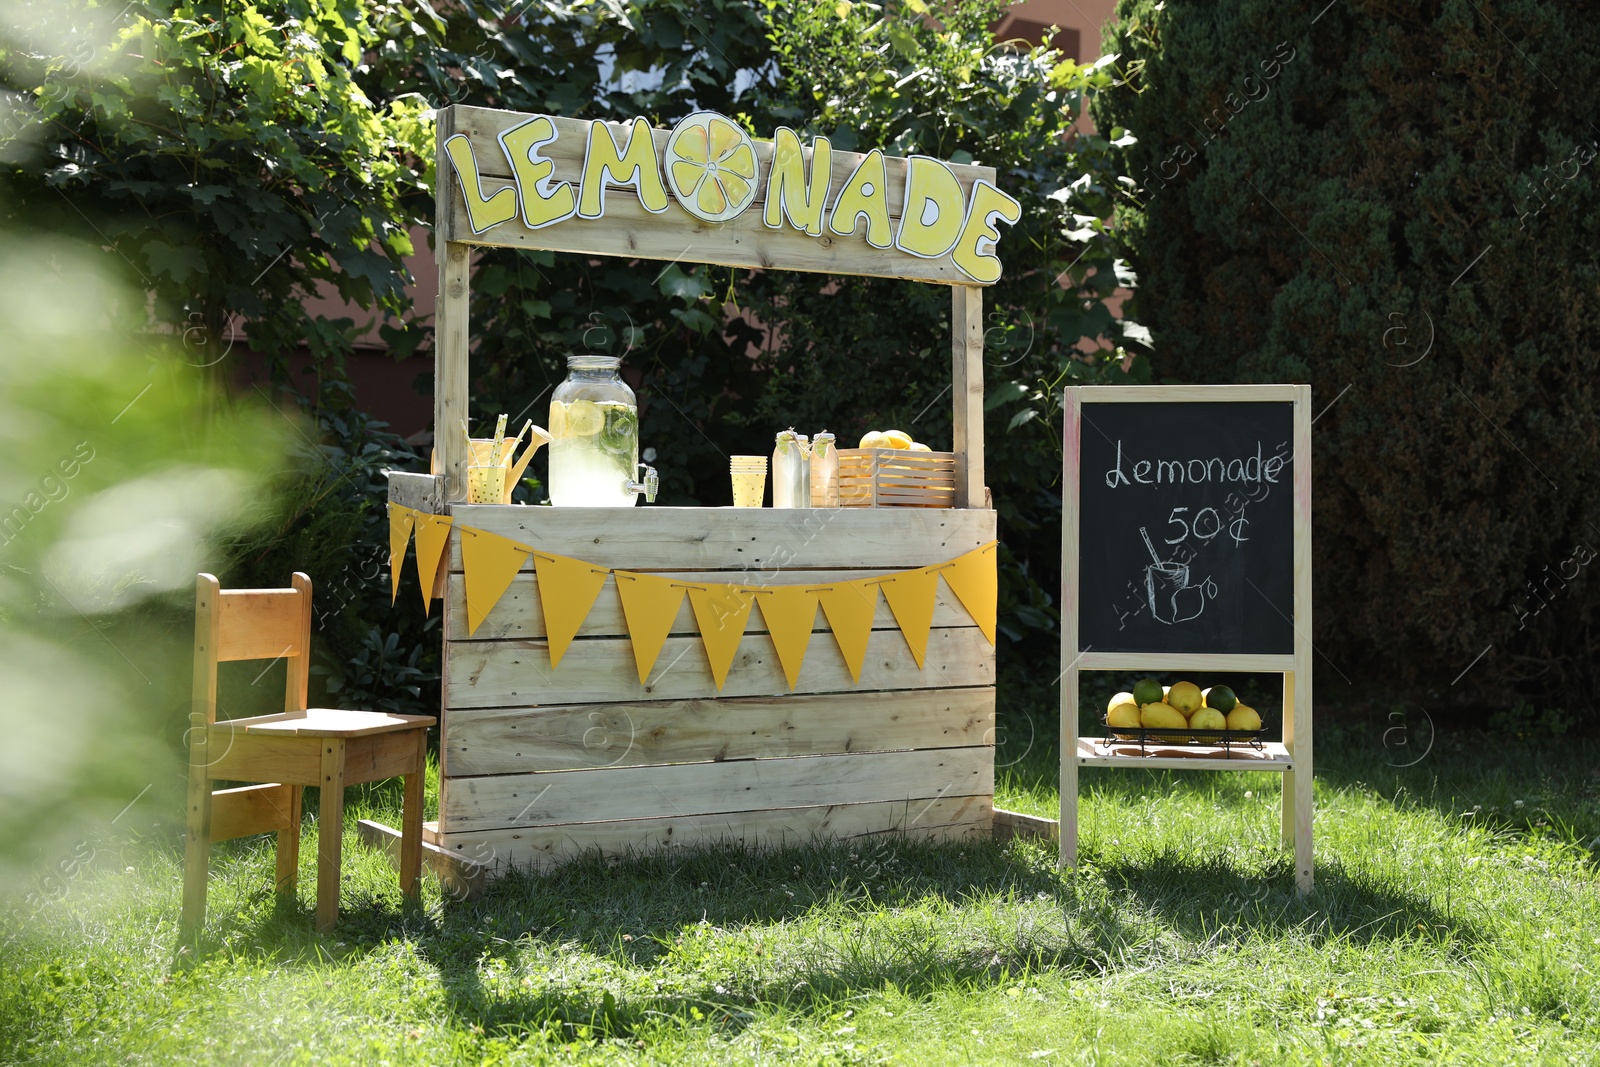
x=1123 y=716
x=584 y=418
x=1121 y=698
x=1162 y=717
x=874 y=439
x=1185 y=696
x=918 y=446
x=1243 y=717
x=711 y=167
x=1147 y=691
x=897 y=438
x=1221 y=698
x=1207 y=719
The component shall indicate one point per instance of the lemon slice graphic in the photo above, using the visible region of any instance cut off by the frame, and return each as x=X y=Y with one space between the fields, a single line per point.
x=711 y=166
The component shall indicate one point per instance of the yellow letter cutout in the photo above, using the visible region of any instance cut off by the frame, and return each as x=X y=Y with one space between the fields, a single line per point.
x=636 y=167
x=543 y=202
x=790 y=194
x=482 y=211
x=974 y=252
x=934 y=209
x=865 y=195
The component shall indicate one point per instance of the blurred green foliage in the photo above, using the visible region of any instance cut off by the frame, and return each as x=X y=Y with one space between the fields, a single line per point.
x=1397 y=204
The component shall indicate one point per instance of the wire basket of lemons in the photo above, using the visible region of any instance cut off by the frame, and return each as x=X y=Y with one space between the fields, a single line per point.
x=1182 y=713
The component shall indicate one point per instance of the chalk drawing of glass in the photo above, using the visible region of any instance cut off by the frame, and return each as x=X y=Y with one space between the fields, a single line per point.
x=1172 y=594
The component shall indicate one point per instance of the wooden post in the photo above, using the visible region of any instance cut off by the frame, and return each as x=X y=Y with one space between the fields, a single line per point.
x=411 y=821
x=966 y=392
x=1068 y=844
x=202 y=713
x=1297 y=732
x=330 y=833
x=450 y=327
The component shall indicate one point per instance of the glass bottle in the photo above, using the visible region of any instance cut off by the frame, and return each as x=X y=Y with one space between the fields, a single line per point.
x=594 y=438
x=824 y=471
x=791 y=470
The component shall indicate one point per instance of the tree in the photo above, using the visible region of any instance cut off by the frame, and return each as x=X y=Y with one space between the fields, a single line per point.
x=1396 y=203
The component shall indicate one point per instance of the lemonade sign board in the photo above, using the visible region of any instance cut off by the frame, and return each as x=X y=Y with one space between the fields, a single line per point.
x=705 y=191
x=1186 y=550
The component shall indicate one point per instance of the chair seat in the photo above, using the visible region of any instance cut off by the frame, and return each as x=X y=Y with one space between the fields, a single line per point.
x=329 y=722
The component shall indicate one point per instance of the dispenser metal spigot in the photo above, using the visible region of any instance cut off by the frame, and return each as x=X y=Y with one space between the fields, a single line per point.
x=648 y=485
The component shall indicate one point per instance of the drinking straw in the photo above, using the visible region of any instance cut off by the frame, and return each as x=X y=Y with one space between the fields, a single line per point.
x=499 y=440
x=1151 y=547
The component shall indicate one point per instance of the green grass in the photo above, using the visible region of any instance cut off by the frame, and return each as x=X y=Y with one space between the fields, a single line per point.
x=1451 y=924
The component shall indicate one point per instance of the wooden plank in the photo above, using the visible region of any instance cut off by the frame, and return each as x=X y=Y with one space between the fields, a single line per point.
x=942 y=818
x=482 y=126
x=518 y=615
x=1094 y=752
x=260 y=624
x=503 y=674
x=202 y=712
x=1183 y=661
x=760 y=543
x=329 y=722
x=459 y=877
x=584 y=736
x=1207 y=394
x=450 y=360
x=250 y=809
x=559 y=797
x=1009 y=824
x=373 y=758
x=235 y=756
x=424 y=492
x=297 y=676
x=966 y=361
x=631 y=232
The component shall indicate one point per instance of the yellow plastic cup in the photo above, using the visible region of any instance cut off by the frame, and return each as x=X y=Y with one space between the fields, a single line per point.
x=485 y=485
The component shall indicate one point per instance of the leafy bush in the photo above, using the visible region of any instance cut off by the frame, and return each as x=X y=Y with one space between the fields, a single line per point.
x=1396 y=203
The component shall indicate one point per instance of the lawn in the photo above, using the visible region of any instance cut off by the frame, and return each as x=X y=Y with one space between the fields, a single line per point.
x=1456 y=920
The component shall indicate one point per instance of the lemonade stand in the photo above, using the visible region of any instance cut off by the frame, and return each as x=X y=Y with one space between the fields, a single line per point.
x=624 y=676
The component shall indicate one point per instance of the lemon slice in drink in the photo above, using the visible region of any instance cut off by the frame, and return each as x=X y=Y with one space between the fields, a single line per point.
x=711 y=167
x=558 y=420
x=584 y=418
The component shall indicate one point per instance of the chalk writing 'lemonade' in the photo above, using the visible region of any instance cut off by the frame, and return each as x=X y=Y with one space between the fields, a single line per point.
x=1251 y=470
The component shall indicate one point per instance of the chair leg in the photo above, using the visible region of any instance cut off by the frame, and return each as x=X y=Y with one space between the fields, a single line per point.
x=411 y=821
x=197 y=837
x=330 y=833
x=289 y=845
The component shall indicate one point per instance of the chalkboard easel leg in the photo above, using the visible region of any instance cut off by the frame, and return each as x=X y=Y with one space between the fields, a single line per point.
x=1069 y=770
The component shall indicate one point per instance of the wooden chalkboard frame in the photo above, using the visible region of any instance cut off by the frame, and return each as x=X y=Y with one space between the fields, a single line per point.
x=1292 y=757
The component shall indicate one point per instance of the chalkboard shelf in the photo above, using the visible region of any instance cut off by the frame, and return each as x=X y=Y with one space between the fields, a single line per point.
x=1098 y=752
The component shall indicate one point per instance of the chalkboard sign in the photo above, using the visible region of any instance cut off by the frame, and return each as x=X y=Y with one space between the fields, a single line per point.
x=1186 y=527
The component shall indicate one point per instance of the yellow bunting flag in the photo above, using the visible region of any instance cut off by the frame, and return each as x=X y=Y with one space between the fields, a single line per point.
x=850 y=607
x=433 y=536
x=911 y=596
x=401 y=522
x=650 y=605
x=567 y=590
x=972 y=579
x=488 y=563
x=790 y=612
x=721 y=612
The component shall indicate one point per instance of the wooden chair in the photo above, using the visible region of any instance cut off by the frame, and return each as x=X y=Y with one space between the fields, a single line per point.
x=286 y=752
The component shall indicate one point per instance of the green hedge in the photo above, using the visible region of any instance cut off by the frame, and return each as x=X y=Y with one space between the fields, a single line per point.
x=1396 y=203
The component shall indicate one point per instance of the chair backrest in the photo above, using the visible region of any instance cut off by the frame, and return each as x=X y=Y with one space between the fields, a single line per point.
x=240 y=624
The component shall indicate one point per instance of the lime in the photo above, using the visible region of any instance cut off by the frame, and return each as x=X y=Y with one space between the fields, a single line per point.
x=1221 y=698
x=1148 y=691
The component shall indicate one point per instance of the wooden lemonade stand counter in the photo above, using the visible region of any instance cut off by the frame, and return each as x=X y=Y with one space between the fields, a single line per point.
x=609 y=747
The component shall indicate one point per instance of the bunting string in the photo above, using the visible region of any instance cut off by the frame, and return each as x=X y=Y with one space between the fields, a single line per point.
x=569 y=588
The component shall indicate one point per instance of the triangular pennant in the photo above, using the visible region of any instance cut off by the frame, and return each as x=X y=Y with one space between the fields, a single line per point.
x=790 y=612
x=567 y=590
x=850 y=607
x=433 y=536
x=401 y=522
x=973 y=580
x=650 y=605
x=911 y=596
x=488 y=563
x=721 y=612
